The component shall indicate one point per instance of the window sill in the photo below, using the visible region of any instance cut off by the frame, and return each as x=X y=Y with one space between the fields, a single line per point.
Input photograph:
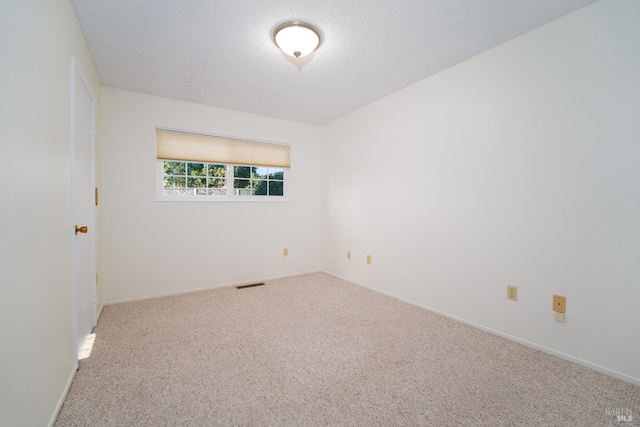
x=222 y=200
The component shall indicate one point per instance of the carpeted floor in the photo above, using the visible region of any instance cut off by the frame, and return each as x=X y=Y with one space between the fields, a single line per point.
x=318 y=351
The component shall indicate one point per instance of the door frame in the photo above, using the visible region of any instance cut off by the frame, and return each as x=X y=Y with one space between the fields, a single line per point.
x=76 y=71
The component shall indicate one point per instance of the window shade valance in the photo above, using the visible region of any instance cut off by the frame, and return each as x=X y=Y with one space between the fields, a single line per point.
x=191 y=147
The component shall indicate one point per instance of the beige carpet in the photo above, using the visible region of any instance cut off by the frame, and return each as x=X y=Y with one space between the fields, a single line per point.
x=318 y=351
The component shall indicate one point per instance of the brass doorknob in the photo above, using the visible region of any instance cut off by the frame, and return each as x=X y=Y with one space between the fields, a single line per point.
x=82 y=229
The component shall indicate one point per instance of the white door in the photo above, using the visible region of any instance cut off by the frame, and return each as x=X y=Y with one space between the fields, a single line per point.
x=83 y=211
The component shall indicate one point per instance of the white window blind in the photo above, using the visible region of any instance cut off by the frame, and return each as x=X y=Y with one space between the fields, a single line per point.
x=172 y=145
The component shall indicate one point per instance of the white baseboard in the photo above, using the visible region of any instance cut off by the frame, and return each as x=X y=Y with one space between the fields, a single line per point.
x=207 y=288
x=62 y=398
x=607 y=371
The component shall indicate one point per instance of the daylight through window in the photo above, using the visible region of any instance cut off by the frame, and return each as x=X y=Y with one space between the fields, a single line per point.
x=208 y=179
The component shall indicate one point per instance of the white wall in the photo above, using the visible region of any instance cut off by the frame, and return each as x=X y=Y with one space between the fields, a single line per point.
x=152 y=249
x=36 y=353
x=519 y=166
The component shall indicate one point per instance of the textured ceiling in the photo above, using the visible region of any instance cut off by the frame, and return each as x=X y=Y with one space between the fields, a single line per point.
x=221 y=53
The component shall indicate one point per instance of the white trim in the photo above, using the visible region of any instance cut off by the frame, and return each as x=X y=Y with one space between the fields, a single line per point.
x=56 y=411
x=203 y=200
x=207 y=288
x=526 y=343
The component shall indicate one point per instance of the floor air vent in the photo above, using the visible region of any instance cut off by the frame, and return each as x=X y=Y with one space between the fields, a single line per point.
x=249 y=286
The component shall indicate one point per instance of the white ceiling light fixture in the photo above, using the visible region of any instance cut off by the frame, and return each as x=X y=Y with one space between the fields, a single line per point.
x=296 y=38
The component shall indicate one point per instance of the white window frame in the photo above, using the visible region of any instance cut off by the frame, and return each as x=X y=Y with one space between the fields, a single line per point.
x=229 y=198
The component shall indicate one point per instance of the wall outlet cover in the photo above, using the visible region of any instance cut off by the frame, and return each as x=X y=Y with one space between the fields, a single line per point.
x=559 y=304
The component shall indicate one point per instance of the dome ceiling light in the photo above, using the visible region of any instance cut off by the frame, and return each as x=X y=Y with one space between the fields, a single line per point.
x=296 y=38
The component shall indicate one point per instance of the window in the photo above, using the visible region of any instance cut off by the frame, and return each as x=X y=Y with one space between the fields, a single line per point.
x=209 y=179
x=198 y=179
x=258 y=181
x=206 y=168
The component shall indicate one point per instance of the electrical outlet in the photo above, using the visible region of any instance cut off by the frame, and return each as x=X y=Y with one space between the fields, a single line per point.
x=285 y=252
x=368 y=259
x=559 y=304
x=348 y=254
x=512 y=292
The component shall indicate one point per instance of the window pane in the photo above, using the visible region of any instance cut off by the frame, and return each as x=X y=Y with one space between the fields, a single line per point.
x=196 y=169
x=217 y=183
x=196 y=182
x=174 y=182
x=174 y=168
x=276 y=188
x=242 y=187
x=260 y=172
x=241 y=183
x=275 y=173
x=219 y=171
x=242 y=171
x=260 y=188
